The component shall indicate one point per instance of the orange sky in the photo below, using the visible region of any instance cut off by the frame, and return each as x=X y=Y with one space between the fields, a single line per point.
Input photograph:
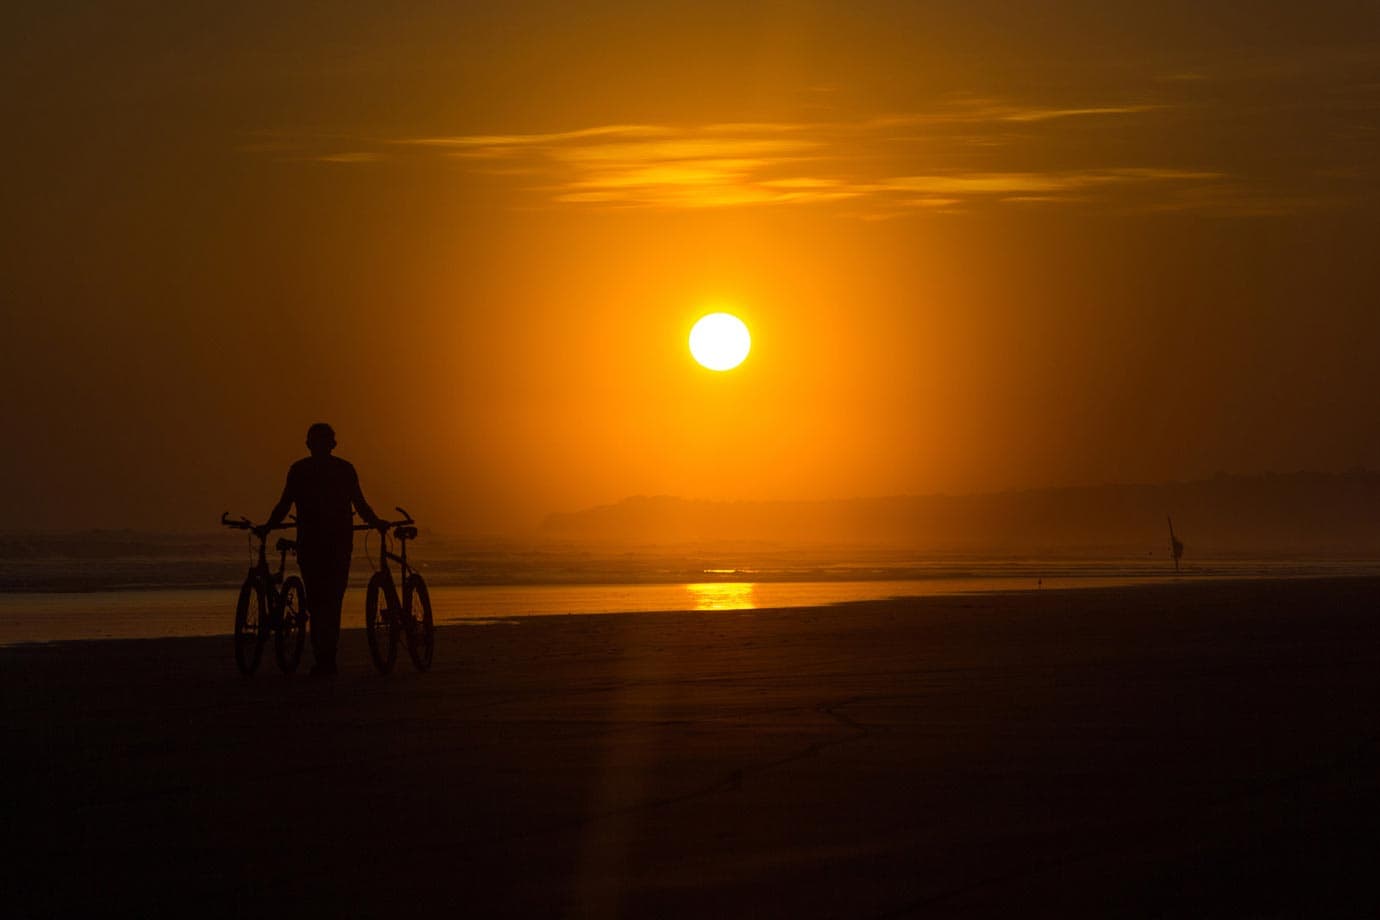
x=980 y=246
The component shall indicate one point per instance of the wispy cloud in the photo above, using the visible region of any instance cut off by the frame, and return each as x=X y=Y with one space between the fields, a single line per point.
x=352 y=156
x=507 y=141
x=1027 y=183
x=974 y=111
x=1031 y=115
x=961 y=154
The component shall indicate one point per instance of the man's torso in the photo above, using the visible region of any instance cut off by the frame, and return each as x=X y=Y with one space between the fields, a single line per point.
x=322 y=489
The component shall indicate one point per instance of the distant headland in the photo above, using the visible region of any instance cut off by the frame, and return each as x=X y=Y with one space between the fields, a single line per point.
x=1302 y=512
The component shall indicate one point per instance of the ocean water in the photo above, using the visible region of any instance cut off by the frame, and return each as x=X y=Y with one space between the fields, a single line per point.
x=152 y=613
x=146 y=614
x=118 y=585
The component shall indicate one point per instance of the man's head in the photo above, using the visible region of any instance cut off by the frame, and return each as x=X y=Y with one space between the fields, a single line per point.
x=320 y=439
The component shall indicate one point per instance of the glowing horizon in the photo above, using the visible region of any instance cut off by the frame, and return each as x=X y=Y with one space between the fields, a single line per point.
x=979 y=246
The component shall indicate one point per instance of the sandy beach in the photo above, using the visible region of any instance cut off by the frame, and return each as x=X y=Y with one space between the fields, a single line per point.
x=1184 y=750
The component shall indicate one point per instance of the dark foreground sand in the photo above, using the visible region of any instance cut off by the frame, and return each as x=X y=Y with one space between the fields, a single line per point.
x=1180 y=750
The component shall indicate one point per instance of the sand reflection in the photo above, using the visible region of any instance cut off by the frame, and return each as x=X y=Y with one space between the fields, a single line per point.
x=721 y=596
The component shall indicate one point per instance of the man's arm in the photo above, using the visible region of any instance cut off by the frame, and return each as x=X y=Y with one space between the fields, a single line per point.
x=280 y=510
x=362 y=506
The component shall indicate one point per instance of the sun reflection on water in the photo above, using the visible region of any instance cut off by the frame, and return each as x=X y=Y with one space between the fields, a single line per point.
x=736 y=595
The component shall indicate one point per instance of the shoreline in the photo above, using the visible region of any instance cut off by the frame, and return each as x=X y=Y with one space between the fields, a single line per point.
x=54 y=576
x=113 y=616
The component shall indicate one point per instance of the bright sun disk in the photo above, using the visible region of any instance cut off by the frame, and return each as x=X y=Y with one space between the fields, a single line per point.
x=720 y=341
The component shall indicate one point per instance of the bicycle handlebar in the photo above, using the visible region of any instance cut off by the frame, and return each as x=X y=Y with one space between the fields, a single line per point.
x=245 y=524
x=407 y=519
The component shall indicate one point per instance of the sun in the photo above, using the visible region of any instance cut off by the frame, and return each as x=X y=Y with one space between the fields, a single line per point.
x=720 y=341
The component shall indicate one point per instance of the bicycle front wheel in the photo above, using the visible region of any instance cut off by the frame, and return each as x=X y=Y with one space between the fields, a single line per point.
x=292 y=625
x=421 y=642
x=251 y=624
x=381 y=625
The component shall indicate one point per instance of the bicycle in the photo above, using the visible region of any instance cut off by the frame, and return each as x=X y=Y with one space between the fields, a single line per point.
x=410 y=618
x=268 y=602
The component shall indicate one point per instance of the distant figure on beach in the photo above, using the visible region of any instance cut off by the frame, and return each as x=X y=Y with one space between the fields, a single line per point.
x=323 y=488
x=1176 y=546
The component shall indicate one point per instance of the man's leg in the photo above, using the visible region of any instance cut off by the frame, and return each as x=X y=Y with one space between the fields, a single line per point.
x=325 y=581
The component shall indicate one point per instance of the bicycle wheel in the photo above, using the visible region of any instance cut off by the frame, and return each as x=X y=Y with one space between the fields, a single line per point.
x=251 y=624
x=381 y=626
x=292 y=625
x=421 y=638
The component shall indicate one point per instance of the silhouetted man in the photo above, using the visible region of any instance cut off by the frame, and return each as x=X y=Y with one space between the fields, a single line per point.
x=323 y=488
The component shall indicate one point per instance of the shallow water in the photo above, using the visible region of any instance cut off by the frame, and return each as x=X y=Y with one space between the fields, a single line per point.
x=147 y=614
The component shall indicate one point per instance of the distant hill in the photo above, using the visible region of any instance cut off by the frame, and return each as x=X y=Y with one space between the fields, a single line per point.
x=1304 y=513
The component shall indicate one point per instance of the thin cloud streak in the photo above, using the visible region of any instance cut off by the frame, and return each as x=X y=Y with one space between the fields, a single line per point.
x=529 y=140
x=962 y=154
x=355 y=156
x=1022 y=183
x=1051 y=114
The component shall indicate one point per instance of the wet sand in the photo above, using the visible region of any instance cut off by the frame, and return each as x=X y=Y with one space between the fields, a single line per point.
x=1185 y=750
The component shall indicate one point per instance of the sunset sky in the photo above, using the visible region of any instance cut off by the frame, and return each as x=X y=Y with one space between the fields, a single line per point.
x=979 y=246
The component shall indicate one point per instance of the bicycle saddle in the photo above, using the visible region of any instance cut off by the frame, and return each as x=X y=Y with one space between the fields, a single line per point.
x=406 y=533
x=286 y=545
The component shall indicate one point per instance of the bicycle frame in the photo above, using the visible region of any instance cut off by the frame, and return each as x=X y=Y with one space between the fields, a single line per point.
x=274 y=590
x=274 y=580
x=389 y=612
x=403 y=531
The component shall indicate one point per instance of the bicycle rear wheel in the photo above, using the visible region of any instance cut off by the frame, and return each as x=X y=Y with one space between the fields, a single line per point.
x=251 y=624
x=292 y=625
x=421 y=640
x=381 y=626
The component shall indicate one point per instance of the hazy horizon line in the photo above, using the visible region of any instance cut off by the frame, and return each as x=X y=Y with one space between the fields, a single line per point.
x=536 y=529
